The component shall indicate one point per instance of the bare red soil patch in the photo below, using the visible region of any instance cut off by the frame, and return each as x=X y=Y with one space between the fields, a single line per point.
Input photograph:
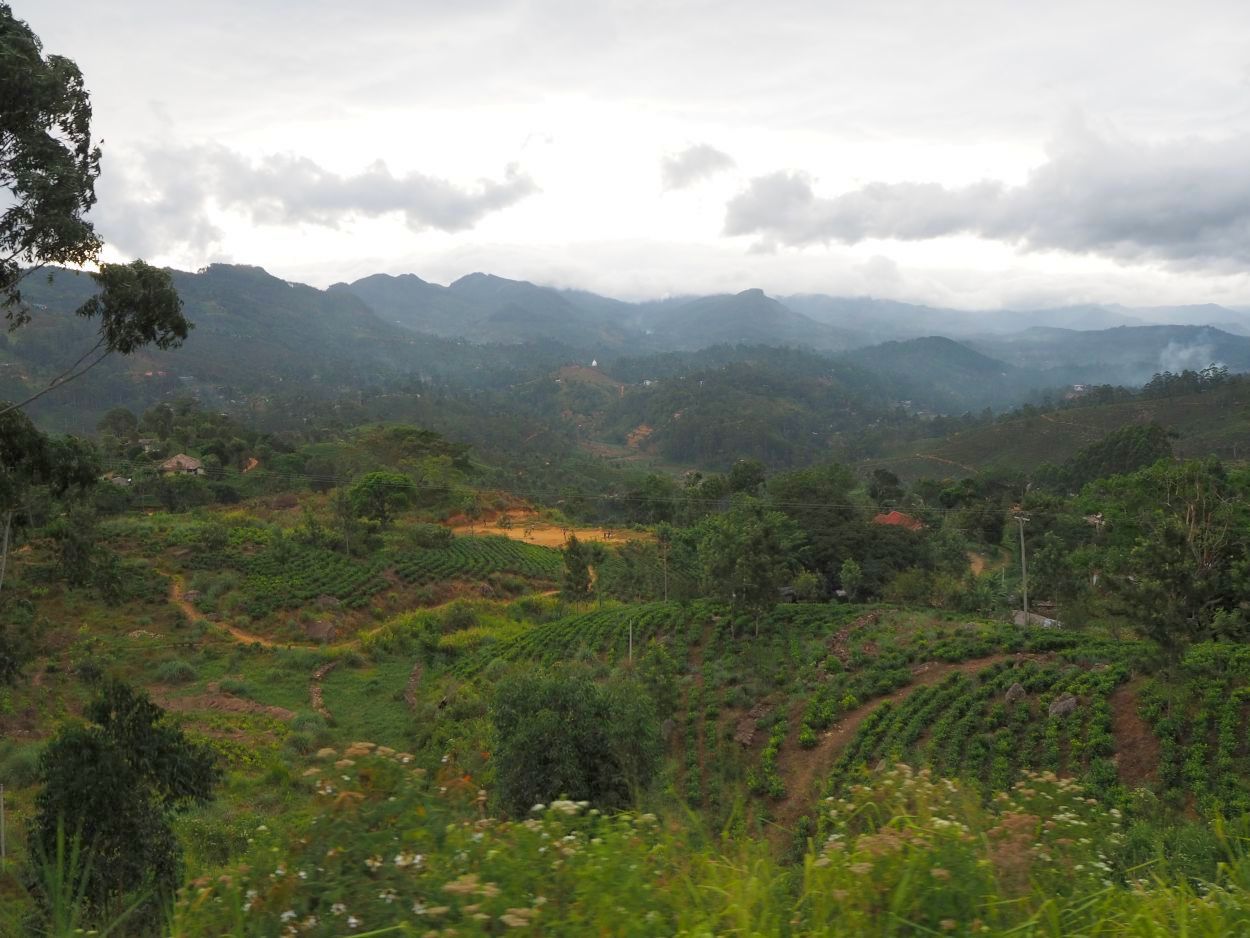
x=638 y=435
x=214 y=699
x=1136 y=746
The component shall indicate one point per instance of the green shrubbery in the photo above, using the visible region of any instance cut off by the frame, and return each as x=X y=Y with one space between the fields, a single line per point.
x=390 y=850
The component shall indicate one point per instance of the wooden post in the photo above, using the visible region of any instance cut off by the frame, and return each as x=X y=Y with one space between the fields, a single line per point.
x=1024 y=569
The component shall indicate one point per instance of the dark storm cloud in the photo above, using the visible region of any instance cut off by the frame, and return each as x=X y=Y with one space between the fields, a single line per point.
x=164 y=198
x=1183 y=203
x=692 y=165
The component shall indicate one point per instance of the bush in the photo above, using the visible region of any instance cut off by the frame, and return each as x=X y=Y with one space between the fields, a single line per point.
x=237 y=687
x=559 y=733
x=301 y=744
x=175 y=671
x=807 y=737
x=429 y=536
x=19 y=765
x=308 y=723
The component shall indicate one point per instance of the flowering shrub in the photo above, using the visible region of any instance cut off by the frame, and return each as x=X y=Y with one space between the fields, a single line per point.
x=389 y=850
x=389 y=847
x=925 y=850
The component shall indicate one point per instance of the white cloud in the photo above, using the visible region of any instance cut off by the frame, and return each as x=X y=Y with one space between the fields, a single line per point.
x=692 y=165
x=1183 y=203
x=168 y=196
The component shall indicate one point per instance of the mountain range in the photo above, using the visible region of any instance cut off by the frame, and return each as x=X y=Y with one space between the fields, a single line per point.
x=256 y=334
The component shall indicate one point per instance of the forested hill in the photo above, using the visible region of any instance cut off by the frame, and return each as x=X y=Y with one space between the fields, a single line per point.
x=942 y=375
x=1203 y=413
x=281 y=352
x=255 y=336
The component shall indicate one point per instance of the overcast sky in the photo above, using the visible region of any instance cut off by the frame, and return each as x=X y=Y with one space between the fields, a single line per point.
x=971 y=154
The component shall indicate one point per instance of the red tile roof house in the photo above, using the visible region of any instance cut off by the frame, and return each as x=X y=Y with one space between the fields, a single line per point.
x=900 y=520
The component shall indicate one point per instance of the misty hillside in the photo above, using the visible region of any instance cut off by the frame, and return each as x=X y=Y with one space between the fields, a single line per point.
x=748 y=317
x=942 y=375
x=411 y=302
x=486 y=308
x=257 y=335
x=1125 y=355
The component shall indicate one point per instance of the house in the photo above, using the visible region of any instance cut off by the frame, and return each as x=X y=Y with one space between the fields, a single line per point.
x=182 y=464
x=898 y=519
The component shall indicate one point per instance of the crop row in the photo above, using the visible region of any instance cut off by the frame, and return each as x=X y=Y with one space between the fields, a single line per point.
x=964 y=726
x=602 y=632
x=470 y=557
x=1203 y=741
x=297 y=576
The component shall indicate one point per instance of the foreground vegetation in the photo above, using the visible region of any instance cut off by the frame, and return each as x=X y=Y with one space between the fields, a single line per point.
x=373 y=673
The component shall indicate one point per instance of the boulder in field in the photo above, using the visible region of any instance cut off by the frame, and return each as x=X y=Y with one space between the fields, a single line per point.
x=1064 y=705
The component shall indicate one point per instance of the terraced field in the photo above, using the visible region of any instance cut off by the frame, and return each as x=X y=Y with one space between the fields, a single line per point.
x=475 y=558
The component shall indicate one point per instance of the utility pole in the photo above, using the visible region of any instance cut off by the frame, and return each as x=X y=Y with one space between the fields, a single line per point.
x=1024 y=566
x=631 y=641
x=4 y=863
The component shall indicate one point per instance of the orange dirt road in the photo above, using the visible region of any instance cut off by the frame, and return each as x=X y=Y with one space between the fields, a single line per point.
x=545 y=534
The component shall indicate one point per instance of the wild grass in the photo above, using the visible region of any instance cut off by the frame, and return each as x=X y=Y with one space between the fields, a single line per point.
x=391 y=850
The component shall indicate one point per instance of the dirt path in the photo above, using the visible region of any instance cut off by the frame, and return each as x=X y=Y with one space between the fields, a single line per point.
x=948 y=462
x=315 y=695
x=1136 y=746
x=414 y=681
x=801 y=768
x=177 y=596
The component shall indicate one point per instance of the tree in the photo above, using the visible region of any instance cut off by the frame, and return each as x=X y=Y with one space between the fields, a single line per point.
x=884 y=488
x=17 y=641
x=48 y=166
x=49 y=163
x=560 y=734
x=852 y=579
x=115 y=784
x=75 y=537
x=808 y=587
x=746 y=475
x=577 y=582
x=1178 y=549
x=379 y=495
x=121 y=423
x=158 y=419
x=29 y=460
x=746 y=554
x=819 y=501
x=346 y=519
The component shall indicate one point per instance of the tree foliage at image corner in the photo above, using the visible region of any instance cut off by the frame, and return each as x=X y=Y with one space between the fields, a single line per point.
x=48 y=167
